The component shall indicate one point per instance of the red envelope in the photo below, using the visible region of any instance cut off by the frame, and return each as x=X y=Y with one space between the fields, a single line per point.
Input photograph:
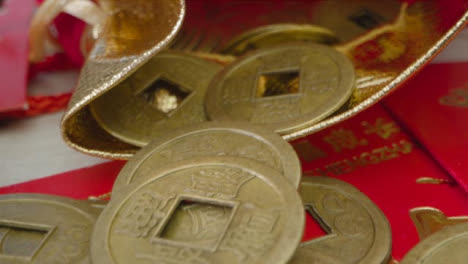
x=434 y=108
x=77 y=184
x=376 y=155
x=15 y=17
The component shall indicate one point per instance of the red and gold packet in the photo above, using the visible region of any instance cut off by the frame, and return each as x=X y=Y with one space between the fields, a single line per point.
x=434 y=108
x=14 y=29
x=376 y=155
x=391 y=41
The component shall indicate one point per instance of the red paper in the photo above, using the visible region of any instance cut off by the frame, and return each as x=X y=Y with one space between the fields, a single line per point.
x=378 y=157
x=77 y=184
x=434 y=107
x=15 y=17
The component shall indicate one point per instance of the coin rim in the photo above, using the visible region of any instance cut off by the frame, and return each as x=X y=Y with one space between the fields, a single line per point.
x=77 y=206
x=381 y=249
x=290 y=162
x=216 y=112
x=263 y=32
x=433 y=242
x=281 y=252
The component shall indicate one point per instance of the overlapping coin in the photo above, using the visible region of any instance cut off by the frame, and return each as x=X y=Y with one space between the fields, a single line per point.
x=260 y=213
x=358 y=231
x=213 y=139
x=446 y=246
x=271 y=35
x=284 y=88
x=133 y=32
x=166 y=93
x=45 y=229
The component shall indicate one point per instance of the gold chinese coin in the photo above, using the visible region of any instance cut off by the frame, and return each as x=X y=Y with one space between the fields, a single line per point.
x=213 y=139
x=271 y=35
x=166 y=93
x=252 y=215
x=446 y=246
x=358 y=231
x=429 y=220
x=45 y=229
x=285 y=88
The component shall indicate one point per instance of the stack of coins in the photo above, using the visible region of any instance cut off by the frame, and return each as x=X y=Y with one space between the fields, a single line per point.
x=214 y=181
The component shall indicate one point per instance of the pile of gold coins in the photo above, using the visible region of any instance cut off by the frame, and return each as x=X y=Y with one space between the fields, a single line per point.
x=215 y=182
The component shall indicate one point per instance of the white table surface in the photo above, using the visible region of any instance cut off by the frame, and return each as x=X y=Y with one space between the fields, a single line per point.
x=33 y=148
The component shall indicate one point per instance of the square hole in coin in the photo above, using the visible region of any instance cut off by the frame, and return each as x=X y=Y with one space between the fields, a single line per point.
x=314 y=227
x=278 y=84
x=367 y=19
x=21 y=241
x=165 y=96
x=198 y=224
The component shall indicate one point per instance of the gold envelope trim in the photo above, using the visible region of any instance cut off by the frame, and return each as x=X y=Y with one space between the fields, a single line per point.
x=94 y=141
x=103 y=70
x=399 y=80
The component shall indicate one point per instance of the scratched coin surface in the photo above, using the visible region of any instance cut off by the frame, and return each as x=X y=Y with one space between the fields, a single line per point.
x=213 y=139
x=446 y=246
x=252 y=215
x=276 y=34
x=284 y=88
x=45 y=229
x=358 y=232
x=166 y=93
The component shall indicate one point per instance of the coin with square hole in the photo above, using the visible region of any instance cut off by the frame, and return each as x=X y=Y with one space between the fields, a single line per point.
x=45 y=229
x=166 y=93
x=357 y=231
x=204 y=210
x=213 y=139
x=285 y=88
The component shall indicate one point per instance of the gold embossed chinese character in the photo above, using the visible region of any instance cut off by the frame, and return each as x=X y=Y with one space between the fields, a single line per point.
x=209 y=139
x=222 y=182
x=383 y=129
x=341 y=139
x=457 y=97
x=253 y=236
x=145 y=214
